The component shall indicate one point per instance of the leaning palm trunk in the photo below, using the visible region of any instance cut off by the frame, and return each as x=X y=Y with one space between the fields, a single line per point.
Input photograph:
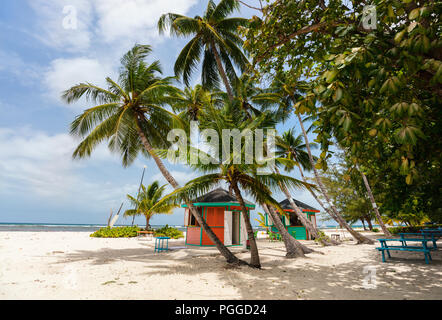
x=293 y=247
x=222 y=72
x=313 y=231
x=254 y=255
x=330 y=213
x=230 y=257
x=375 y=208
x=336 y=215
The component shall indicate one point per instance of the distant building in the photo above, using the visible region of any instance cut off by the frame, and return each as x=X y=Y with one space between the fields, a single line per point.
x=292 y=223
x=222 y=213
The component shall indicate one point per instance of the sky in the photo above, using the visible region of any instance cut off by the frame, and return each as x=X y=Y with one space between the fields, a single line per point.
x=47 y=46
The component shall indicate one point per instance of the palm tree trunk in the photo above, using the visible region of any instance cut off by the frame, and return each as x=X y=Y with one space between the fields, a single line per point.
x=363 y=224
x=315 y=196
x=221 y=71
x=370 y=226
x=254 y=254
x=230 y=257
x=337 y=216
x=147 y=221
x=312 y=230
x=293 y=247
x=373 y=204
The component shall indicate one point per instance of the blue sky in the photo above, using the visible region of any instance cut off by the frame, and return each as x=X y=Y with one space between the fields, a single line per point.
x=39 y=58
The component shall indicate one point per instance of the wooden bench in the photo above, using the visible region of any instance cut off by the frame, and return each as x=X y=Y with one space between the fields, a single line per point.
x=405 y=247
x=148 y=234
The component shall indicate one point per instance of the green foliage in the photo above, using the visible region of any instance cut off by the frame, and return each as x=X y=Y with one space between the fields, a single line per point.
x=262 y=221
x=214 y=42
x=412 y=229
x=116 y=232
x=170 y=232
x=126 y=109
x=322 y=239
x=147 y=199
x=375 y=93
x=375 y=230
x=347 y=191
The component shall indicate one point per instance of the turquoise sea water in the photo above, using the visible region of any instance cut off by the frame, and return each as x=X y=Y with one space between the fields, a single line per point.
x=48 y=227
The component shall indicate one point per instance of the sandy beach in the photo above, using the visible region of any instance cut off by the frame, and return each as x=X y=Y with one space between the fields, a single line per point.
x=72 y=265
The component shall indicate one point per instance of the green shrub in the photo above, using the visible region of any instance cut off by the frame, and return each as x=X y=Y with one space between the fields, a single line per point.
x=322 y=237
x=412 y=229
x=116 y=232
x=170 y=232
x=375 y=230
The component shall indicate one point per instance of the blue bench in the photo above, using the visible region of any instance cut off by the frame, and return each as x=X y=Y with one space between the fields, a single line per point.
x=405 y=247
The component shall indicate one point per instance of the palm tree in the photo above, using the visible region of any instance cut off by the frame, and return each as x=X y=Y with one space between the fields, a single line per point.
x=130 y=115
x=216 y=35
x=288 y=93
x=241 y=176
x=191 y=102
x=293 y=150
x=238 y=177
x=146 y=200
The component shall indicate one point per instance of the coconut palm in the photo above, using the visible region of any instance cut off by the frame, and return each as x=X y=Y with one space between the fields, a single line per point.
x=146 y=200
x=131 y=116
x=289 y=93
x=191 y=101
x=214 y=41
x=240 y=176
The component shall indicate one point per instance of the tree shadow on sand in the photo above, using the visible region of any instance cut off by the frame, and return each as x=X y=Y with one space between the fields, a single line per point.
x=404 y=276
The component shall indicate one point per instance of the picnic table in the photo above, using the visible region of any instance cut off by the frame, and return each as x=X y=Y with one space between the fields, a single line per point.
x=433 y=237
x=406 y=247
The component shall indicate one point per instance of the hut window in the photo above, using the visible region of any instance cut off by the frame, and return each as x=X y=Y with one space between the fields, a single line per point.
x=294 y=221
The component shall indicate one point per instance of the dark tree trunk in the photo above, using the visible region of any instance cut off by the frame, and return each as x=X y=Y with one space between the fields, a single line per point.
x=293 y=247
x=370 y=226
x=147 y=222
x=363 y=224
x=254 y=254
x=221 y=71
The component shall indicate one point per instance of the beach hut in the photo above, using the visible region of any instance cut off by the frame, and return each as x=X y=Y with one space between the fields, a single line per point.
x=222 y=213
x=292 y=223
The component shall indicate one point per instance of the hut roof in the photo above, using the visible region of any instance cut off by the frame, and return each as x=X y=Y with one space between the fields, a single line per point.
x=219 y=196
x=285 y=204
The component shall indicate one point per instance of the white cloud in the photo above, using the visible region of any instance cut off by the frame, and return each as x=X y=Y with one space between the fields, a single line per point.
x=49 y=25
x=35 y=163
x=64 y=73
x=106 y=29
x=115 y=22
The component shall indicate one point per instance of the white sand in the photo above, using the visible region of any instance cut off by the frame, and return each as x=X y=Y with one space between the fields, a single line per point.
x=71 y=265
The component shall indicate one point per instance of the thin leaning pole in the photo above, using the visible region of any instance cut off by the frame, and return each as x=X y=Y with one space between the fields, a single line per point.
x=138 y=194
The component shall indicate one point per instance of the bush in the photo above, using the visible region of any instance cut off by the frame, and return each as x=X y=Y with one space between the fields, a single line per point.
x=412 y=229
x=170 y=232
x=375 y=230
x=116 y=232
